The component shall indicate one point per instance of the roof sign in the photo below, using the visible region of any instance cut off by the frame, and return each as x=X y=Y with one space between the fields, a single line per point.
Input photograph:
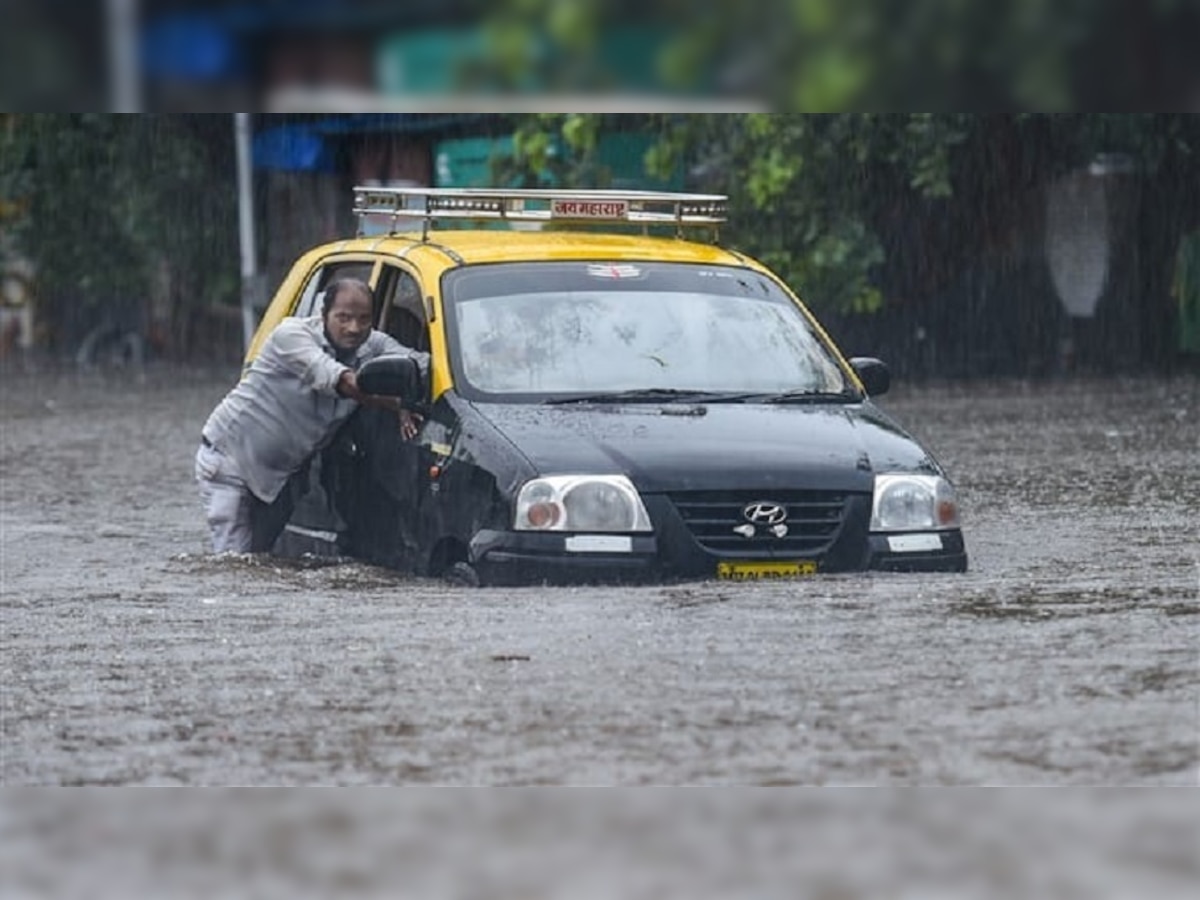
x=430 y=206
x=589 y=209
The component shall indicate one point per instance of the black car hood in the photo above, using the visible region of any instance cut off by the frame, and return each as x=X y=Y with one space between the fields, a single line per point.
x=677 y=447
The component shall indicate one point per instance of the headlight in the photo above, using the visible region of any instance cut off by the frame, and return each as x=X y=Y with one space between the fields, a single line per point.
x=607 y=503
x=913 y=503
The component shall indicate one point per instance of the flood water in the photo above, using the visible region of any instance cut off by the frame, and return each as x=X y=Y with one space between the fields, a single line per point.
x=1068 y=654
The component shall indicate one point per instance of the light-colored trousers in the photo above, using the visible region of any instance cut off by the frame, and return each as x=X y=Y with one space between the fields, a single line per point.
x=227 y=501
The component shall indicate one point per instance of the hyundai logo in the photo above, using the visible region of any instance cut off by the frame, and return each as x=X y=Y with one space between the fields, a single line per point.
x=764 y=512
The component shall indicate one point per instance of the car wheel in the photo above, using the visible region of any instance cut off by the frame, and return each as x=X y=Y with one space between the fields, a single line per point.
x=461 y=574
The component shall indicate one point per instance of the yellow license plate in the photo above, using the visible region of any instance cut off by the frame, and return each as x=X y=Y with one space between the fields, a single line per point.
x=753 y=571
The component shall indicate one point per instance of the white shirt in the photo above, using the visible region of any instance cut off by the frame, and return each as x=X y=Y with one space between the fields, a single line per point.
x=286 y=406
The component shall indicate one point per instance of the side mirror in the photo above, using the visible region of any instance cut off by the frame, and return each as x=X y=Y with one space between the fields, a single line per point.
x=873 y=373
x=392 y=376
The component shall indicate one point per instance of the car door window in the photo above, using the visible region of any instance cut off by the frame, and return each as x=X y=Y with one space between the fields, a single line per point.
x=403 y=313
x=313 y=296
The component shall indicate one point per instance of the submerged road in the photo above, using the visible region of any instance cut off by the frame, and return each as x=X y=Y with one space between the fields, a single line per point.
x=1069 y=654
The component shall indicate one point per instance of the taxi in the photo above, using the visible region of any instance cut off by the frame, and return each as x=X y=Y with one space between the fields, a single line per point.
x=613 y=395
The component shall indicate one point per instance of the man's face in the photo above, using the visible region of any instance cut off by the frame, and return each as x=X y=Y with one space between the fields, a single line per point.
x=349 y=319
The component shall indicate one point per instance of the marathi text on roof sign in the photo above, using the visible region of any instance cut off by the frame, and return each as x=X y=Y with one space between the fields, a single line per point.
x=590 y=209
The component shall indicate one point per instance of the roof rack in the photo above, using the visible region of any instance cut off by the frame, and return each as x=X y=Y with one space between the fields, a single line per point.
x=375 y=206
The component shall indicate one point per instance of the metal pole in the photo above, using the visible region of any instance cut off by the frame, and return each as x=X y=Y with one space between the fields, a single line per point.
x=123 y=55
x=241 y=126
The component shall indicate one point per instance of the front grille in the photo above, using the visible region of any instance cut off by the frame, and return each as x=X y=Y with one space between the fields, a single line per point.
x=813 y=519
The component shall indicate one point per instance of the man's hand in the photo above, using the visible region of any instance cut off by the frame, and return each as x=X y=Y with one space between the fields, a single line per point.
x=410 y=423
x=347 y=385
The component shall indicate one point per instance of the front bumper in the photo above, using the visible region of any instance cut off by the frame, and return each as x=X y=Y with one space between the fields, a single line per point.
x=527 y=557
x=950 y=556
x=522 y=558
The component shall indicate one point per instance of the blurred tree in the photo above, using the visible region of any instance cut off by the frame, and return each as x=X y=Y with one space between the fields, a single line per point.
x=823 y=55
x=129 y=220
x=52 y=55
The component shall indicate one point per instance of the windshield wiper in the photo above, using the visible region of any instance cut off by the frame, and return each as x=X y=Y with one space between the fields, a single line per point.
x=679 y=395
x=642 y=395
x=846 y=396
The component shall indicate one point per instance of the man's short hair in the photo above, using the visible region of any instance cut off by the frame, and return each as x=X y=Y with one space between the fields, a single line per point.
x=334 y=290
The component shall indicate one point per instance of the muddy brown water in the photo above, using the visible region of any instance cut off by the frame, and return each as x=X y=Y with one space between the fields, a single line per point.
x=1068 y=655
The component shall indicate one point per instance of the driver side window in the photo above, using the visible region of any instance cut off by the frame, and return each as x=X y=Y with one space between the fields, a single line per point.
x=313 y=297
x=403 y=314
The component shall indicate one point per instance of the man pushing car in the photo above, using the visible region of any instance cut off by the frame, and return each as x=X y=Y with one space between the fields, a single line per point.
x=289 y=404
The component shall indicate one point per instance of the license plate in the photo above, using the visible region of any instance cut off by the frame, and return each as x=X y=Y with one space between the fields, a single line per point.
x=754 y=571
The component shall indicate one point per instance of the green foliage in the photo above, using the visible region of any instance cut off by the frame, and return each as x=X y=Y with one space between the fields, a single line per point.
x=113 y=204
x=861 y=55
x=580 y=132
x=805 y=190
x=819 y=197
x=553 y=149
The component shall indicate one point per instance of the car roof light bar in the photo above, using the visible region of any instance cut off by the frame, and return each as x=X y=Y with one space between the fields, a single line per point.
x=581 y=207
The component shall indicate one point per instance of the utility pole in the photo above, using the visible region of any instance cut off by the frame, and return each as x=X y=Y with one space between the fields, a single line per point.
x=123 y=56
x=245 y=189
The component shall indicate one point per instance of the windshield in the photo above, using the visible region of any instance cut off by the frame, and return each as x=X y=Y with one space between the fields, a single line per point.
x=530 y=331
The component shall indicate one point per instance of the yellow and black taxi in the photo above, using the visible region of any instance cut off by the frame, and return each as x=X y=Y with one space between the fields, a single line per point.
x=606 y=402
